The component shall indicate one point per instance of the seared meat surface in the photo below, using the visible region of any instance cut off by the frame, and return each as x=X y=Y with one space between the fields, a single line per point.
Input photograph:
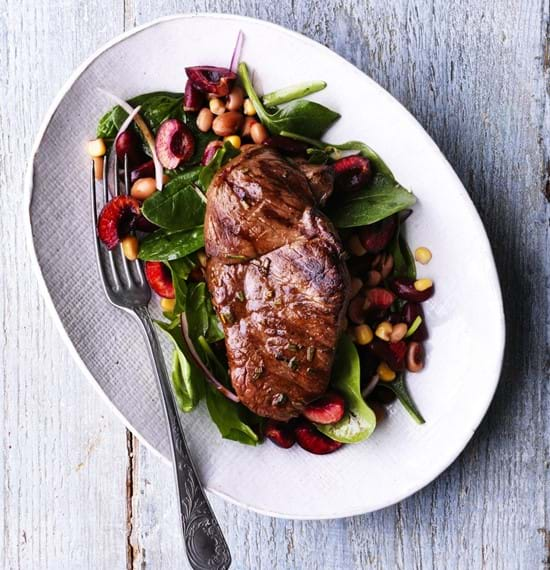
x=277 y=279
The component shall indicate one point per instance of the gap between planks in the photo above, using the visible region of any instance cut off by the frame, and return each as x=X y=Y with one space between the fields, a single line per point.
x=132 y=542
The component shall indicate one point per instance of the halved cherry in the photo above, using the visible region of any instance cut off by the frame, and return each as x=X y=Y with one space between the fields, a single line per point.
x=142 y=224
x=129 y=143
x=393 y=353
x=313 y=440
x=145 y=170
x=213 y=80
x=160 y=279
x=379 y=298
x=375 y=237
x=117 y=220
x=327 y=409
x=352 y=173
x=193 y=99
x=174 y=144
x=280 y=434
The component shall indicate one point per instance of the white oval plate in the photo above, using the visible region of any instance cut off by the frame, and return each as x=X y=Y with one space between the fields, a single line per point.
x=453 y=392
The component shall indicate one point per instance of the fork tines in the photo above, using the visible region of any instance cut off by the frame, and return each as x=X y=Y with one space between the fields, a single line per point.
x=123 y=280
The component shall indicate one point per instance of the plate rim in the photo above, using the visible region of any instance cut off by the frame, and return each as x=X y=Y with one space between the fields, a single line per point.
x=500 y=338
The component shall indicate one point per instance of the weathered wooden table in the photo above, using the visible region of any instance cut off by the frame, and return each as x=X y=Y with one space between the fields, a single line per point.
x=78 y=491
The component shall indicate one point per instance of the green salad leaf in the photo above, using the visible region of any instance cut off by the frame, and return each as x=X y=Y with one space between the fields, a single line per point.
x=223 y=155
x=399 y=388
x=201 y=317
x=180 y=269
x=359 y=421
x=225 y=414
x=383 y=197
x=156 y=107
x=304 y=117
x=178 y=206
x=187 y=379
x=233 y=420
x=403 y=259
x=164 y=246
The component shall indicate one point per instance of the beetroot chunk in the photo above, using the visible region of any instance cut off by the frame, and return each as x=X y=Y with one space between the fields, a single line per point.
x=352 y=173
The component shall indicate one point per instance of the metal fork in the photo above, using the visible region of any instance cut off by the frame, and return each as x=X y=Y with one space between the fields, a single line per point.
x=126 y=288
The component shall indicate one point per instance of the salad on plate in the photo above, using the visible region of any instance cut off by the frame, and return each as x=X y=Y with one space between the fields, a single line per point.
x=279 y=259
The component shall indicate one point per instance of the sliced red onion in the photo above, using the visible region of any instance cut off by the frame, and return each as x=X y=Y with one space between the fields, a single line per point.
x=128 y=121
x=148 y=135
x=373 y=382
x=197 y=360
x=237 y=52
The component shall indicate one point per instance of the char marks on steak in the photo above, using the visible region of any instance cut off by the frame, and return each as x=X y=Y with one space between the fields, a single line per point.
x=277 y=279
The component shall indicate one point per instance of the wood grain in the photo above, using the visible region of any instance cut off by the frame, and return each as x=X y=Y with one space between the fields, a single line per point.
x=476 y=75
x=61 y=498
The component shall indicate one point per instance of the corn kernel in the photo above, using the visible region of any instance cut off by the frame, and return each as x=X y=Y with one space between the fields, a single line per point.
x=235 y=140
x=423 y=284
x=384 y=330
x=363 y=334
x=167 y=305
x=96 y=148
x=355 y=246
x=130 y=247
x=423 y=255
x=385 y=372
x=249 y=108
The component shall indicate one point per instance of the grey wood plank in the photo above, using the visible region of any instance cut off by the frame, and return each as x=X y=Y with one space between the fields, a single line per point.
x=475 y=75
x=63 y=452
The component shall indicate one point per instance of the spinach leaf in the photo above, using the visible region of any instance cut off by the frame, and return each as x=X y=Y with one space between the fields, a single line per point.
x=304 y=117
x=178 y=206
x=187 y=379
x=233 y=420
x=399 y=388
x=155 y=108
x=403 y=259
x=226 y=415
x=223 y=155
x=164 y=246
x=359 y=421
x=201 y=318
x=383 y=197
x=366 y=151
x=201 y=139
x=180 y=269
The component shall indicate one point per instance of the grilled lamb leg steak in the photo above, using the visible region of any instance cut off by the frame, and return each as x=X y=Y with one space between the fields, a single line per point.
x=277 y=279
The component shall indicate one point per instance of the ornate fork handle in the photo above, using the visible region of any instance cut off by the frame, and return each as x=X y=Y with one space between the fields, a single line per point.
x=205 y=543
